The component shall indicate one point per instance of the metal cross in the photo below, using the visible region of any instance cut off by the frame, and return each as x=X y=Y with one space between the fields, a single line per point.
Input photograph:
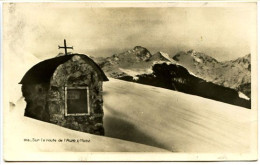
x=65 y=47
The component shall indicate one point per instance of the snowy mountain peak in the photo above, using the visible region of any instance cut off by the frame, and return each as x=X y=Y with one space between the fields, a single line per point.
x=191 y=51
x=139 y=47
x=161 y=56
x=165 y=55
x=141 y=53
x=234 y=74
x=190 y=57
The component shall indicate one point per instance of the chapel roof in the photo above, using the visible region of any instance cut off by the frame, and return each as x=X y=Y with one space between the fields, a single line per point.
x=43 y=71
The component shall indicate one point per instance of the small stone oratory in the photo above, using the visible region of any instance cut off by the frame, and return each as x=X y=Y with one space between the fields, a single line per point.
x=66 y=91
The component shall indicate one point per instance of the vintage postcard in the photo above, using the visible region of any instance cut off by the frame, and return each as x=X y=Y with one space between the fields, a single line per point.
x=130 y=81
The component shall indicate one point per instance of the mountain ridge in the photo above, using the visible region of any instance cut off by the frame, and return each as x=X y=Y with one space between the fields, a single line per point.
x=131 y=64
x=235 y=74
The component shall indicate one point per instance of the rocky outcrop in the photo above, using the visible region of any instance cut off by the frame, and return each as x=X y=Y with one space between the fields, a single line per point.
x=176 y=77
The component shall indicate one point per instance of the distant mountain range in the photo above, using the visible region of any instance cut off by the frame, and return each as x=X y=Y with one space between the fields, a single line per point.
x=138 y=65
x=235 y=74
x=132 y=62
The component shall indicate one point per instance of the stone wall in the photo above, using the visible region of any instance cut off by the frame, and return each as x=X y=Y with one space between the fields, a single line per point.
x=46 y=102
x=36 y=96
x=76 y=72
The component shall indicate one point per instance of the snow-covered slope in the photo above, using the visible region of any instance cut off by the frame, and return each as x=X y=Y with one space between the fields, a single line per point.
x=176 y=121
x=17 y=67
x=150 y=119
x=17 y=128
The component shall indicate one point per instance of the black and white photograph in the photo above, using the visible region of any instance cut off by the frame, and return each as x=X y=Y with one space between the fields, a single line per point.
x=96 y=81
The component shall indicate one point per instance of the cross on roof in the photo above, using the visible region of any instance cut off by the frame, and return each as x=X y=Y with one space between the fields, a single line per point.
x=65 y=47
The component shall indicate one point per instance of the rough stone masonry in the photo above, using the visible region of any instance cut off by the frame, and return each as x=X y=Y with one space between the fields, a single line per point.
x=45 y=94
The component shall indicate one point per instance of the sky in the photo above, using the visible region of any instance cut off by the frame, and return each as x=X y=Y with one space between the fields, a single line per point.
x=224 y=33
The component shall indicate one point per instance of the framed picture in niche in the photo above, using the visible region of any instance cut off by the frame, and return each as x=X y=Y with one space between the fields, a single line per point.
x=77 y=101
